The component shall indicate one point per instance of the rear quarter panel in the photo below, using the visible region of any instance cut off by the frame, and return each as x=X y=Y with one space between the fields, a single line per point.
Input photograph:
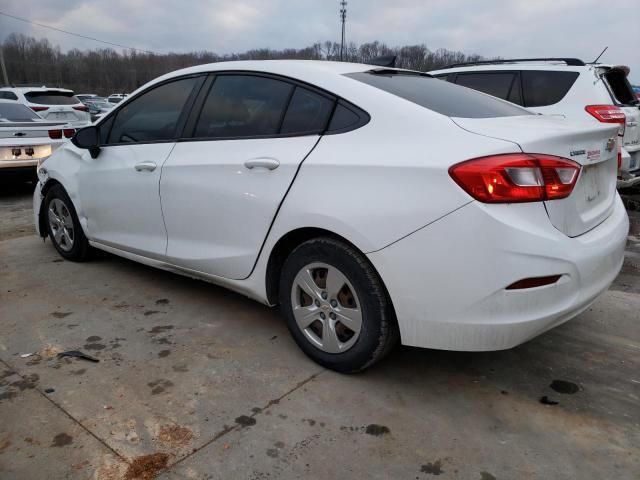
x=381 y=182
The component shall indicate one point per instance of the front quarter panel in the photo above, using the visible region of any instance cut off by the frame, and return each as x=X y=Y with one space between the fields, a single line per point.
x=63 y=167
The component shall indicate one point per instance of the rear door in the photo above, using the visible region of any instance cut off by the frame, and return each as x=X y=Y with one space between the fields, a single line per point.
x=222 y=187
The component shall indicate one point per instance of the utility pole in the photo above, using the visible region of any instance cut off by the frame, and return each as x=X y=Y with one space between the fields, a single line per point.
x=343 y=19
x=4 y=68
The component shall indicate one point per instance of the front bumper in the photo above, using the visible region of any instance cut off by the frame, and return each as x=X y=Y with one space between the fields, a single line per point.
x=37 y=202
x=447 y=281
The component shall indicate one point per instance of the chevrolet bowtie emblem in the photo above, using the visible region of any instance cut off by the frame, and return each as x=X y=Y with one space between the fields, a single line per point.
x=19 y=134
x=611 y=143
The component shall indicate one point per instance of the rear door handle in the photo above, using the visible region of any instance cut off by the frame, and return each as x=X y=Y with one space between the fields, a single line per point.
x=145 y=167
x=268 y=163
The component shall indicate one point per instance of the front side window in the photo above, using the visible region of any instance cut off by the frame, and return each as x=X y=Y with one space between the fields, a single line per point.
x=52 y=97
x=496 y=84
x=152 y=116
x=441 y=97
x=243 y=106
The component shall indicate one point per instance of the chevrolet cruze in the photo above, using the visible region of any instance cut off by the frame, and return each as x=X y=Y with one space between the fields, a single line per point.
x=373 y=205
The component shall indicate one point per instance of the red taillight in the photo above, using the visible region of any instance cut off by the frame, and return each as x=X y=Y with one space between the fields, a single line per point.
x=606 y=113
x=82 y=108
x=69 y=132
x=39 y=109
x=55 y=134
x=516 y=177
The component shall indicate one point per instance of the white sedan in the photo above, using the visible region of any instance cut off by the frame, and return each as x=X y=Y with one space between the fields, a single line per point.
x=372 y=204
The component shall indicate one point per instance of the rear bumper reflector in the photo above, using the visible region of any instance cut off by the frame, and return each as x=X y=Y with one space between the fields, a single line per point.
x=534 y=282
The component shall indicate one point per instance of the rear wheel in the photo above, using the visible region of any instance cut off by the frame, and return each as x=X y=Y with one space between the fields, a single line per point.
x=64 y=227
x=336 y=306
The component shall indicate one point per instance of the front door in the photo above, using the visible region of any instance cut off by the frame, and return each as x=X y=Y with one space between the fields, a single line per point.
x=120 y=188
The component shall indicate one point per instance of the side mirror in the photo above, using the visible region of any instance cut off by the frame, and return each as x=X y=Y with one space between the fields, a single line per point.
x=89 y=139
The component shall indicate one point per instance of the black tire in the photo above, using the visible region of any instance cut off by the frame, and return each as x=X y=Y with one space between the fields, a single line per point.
x=80 y=250
x=379 y=331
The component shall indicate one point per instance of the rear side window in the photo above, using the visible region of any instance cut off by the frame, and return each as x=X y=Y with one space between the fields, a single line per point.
x=496 y=84
x=8 y=96
x=441 y=97
x=52 y=97
x=620 y=87
x=308 y=112
x=243 y=106
x=154 y=115
x=543 y=88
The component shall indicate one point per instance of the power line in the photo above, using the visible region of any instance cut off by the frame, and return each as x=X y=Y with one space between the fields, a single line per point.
x=75 y=34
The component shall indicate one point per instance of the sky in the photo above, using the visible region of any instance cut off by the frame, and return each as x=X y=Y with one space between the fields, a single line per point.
x=505 y=28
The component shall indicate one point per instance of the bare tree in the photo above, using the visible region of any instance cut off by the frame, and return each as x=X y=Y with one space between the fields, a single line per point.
x=104 y=71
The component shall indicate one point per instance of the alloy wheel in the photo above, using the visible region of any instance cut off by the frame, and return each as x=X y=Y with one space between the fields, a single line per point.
x=326 y=307
x=61 y=224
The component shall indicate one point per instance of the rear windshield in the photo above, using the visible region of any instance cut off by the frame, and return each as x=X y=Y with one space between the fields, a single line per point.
x=52 y=98
x=441 y=97
x=16 y=112
x=620 y=87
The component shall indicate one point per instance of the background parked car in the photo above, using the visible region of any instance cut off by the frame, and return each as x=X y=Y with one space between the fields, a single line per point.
x=26 y=139
x=84 y=97
x=98 y=106
x=636 y=90
x=54 y=104
x=565 y=87
x=117 y=97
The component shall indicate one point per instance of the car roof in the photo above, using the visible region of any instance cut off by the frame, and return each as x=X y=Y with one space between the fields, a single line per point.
x=532 y=65
x=514 y=66
x=321 y=73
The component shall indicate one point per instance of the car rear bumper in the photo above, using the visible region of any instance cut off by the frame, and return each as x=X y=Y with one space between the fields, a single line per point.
x=448 y=280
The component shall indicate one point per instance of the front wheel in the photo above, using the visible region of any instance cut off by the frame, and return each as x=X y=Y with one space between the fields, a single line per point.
x=336 y=306
x=64 y=227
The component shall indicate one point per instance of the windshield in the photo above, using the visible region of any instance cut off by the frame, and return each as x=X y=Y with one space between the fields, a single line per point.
x=16 y=112
x=441 y=97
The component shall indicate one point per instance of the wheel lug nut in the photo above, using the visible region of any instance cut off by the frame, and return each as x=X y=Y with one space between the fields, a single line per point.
x=317 y=302
x=322 y=315
x=324 y=295
x=332 y=316
x=334 y=304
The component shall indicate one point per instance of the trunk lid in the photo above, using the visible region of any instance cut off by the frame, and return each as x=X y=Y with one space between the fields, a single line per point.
x=594 y=147
x=18 y=130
